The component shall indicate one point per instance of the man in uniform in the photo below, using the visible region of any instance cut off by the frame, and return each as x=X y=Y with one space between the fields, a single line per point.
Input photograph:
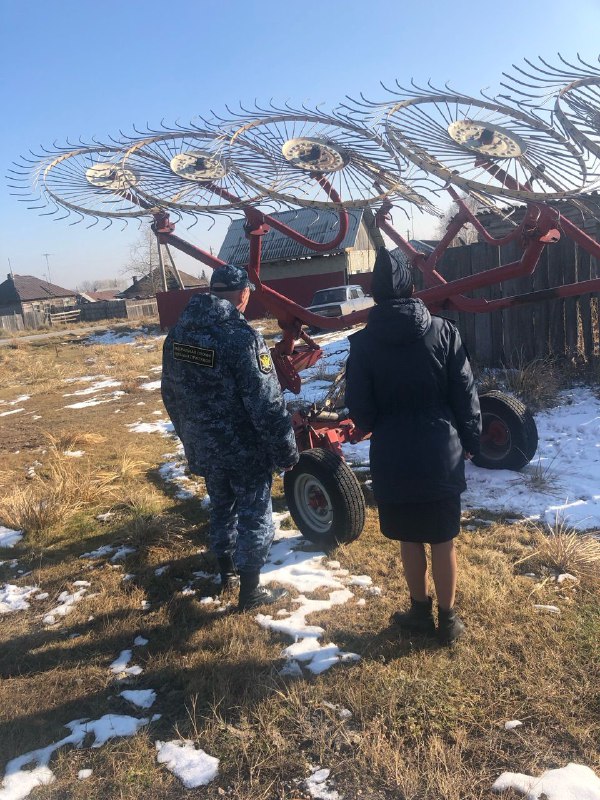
x=222 y=394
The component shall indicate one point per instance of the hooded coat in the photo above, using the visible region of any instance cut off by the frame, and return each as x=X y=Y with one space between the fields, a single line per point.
x=409 y=382
x=222 y=394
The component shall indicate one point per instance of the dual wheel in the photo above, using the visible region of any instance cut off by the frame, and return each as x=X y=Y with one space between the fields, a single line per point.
x=326 y=500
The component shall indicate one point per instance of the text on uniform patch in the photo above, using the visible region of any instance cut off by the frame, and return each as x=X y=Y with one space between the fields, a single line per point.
x=203 y=356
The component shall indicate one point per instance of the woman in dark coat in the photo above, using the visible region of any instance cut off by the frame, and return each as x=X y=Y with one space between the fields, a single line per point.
x=409 y=382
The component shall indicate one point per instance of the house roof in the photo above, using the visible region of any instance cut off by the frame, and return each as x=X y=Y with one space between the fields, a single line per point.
x=104 y=294
x=318 y=225
x=24 y=288
x=148 y=285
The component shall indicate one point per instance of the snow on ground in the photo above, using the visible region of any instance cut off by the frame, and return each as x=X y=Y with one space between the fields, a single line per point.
x=573 y=782
x=152 y=386
x=119 y=665
x=9 y=537
x=14 y=598
x=19 y=782
x=568 y=462
x=67 y=601
x=142 y=698
x=192 y=767
x=316 y=785
x=563 y=480
x=97 y=386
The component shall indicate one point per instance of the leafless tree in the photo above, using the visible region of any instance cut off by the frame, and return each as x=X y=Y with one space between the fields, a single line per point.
x=143 y=259
x=467 y=234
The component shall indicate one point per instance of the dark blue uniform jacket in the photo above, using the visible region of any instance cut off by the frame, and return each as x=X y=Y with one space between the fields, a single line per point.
x=222 y=394
x=408 y=380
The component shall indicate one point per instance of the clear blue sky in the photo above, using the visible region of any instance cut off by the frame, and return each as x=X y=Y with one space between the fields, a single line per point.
x=86 y=68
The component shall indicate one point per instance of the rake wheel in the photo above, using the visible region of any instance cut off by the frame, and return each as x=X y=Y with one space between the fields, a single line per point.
x=485 y=147
x=194 y=171
x=576 y=92
x=88 y=181
x=356 y=162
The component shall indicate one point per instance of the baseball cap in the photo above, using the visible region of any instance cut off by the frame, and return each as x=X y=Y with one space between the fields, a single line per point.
x=230 y=279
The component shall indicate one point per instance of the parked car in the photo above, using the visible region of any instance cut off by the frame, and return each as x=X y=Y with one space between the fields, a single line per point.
x=339 y=300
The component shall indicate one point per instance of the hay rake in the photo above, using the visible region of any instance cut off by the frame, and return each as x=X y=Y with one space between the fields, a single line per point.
x=401 y=152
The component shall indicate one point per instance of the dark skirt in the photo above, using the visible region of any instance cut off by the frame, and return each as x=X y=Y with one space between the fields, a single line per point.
x=433 y=522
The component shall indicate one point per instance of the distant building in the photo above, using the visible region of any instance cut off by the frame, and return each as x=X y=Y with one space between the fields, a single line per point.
x=298 y=272
x=150 y=284
x=24 y=294
x=97 y=297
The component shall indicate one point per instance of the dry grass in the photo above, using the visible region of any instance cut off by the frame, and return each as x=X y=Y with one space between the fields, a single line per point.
x=537 y=383
x=426 y=723
x=562 y=549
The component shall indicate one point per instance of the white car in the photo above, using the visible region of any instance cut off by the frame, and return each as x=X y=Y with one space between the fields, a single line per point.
x=339 y=300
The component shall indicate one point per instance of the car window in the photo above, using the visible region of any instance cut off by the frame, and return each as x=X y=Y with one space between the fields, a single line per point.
x=329 y=296
x=354 y=294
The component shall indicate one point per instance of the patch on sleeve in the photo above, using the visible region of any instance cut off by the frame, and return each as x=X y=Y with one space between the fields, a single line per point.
x=202 y=356
x=264 y=362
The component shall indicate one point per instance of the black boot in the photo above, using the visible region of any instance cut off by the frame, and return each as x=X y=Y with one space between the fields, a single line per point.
x=419 y=619
x=229 y=577
x=450 y=627
x=253 y=595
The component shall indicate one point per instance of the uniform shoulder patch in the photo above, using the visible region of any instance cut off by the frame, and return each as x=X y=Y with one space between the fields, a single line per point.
x=265 y=364
x=202 y=356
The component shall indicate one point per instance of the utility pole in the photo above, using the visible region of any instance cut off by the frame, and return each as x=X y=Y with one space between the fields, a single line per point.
x=10 y=268
x=47 y=256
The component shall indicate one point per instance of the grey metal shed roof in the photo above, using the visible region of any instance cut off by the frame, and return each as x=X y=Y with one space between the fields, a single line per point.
x=320 y=226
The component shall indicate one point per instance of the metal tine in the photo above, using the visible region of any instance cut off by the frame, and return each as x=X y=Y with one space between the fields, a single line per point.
x=591 y=66
x=554 y=72
x=96 y=220
x=77 y=221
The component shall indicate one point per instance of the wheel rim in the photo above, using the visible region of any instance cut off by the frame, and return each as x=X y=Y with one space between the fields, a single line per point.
x=496 y=439
x=313 y=503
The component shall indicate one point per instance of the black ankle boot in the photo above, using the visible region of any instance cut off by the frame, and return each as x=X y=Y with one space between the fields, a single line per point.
x=253 y=595
x=450 y=627
x=419 y=619
x=229 y=577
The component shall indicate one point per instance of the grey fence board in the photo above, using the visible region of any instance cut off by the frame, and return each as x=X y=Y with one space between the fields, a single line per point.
x=562 y=327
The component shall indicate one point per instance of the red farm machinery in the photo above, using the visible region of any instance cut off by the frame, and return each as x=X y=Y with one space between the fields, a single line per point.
x=406 y=151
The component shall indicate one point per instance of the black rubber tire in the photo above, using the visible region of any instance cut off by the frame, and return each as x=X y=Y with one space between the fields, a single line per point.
x=509 y=438
x=326 y=478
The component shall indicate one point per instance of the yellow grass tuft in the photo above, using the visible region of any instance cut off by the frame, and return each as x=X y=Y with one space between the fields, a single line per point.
x=563 y=549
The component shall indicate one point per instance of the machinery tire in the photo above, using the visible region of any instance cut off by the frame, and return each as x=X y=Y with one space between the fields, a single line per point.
x=325 y=498
x=509 y=437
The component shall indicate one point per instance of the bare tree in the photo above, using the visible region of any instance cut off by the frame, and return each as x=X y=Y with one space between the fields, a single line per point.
x=468 y=233
x=143 y=259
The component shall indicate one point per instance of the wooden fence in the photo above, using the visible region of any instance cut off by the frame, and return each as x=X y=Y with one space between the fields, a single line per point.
x=563 y=327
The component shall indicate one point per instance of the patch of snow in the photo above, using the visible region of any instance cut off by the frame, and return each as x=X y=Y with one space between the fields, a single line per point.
x=119 y=665
x=122 y=553
x=160 y=426
x=573 y=782
x=152 y=386
x=14 y=411
x=14 y=598
x=316 y=785
x=67 y=602
x=142 y=698
x=9 y=537
x=139 y=641
x=19 y=782
x=108 y=383
x=513 y=723
x=84 y=774
x=105 y=550
x=193 y=767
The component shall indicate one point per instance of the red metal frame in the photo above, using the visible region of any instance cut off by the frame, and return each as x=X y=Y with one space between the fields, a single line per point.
x=541 y=226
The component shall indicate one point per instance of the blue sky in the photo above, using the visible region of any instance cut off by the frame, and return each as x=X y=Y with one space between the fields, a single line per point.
x=86 y=69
